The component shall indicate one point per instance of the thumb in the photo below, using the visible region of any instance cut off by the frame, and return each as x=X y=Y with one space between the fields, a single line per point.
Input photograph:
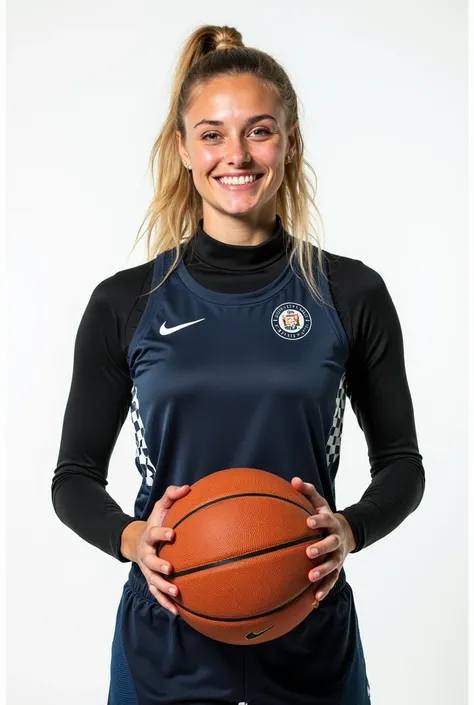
x=161 y=507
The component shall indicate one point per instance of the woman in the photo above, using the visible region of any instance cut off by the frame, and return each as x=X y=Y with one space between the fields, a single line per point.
x=235 y=345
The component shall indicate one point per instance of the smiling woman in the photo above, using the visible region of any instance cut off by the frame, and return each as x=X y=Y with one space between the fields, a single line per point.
x=236 y=345
x=248 y=100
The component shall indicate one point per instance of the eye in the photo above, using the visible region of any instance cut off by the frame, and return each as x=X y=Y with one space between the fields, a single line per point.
x=257 y=129
x=207 y=135
x=265 y=130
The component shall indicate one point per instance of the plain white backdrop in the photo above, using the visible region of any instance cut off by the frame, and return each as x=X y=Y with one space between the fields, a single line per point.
x=383 y=99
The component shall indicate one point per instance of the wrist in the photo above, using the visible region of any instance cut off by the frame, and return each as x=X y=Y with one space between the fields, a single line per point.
x=129 y=539
x=348 y=533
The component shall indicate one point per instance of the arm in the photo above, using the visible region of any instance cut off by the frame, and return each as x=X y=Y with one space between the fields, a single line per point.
x=98 y=403
x=378 y=390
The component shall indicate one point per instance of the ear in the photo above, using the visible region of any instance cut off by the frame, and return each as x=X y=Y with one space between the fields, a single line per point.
x=292 y=139
x=182 y=152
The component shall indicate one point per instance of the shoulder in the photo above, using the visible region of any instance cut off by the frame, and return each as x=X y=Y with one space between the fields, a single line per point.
x=117 y=304
x=124 y=286
x=360 y=296
x=352 y=278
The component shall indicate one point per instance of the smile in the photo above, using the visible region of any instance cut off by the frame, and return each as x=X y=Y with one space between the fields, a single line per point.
x=242 y=183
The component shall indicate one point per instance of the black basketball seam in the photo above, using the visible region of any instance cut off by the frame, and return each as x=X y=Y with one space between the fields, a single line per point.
x=234 y=496
x=250 y=554
x=244 y=619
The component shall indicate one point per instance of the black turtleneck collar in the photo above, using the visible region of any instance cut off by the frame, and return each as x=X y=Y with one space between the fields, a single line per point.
x=235 y=258
x=236 y=269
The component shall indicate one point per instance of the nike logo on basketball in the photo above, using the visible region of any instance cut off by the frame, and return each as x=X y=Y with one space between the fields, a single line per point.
x=167 y=331
x=254 y=635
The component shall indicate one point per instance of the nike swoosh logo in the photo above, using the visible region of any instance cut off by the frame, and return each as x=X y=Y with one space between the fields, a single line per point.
x=167 y=331
x=254 y=635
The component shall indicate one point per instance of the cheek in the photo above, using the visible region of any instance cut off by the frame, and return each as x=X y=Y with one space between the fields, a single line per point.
x=268 y=154
x=276 y=164
x=205 y=160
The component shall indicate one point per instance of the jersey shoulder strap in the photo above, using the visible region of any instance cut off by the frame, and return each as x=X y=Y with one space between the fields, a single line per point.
x=163 y=263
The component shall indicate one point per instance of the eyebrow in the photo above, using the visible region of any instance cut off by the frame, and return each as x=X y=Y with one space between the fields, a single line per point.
x=250 y=121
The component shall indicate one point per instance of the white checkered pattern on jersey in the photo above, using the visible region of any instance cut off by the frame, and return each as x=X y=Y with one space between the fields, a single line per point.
x=333 y=445
x=146 y=466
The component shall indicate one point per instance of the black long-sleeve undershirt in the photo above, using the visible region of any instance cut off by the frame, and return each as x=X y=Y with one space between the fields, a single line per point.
x=100 y=394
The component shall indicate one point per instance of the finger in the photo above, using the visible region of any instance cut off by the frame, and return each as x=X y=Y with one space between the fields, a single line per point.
x=323 y=519
x=163 y=600
x=160 y=588
x=172 y=493
x=327 y=545
x=157 y=565
x=326 y=586
x=309 y=491
x=162 y=585
x=323 y=570
x=156 y=534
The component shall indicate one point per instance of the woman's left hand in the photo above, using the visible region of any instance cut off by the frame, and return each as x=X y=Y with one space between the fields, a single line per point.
x=338 y=543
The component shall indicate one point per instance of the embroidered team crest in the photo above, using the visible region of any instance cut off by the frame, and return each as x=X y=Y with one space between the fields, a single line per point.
x=291 y=321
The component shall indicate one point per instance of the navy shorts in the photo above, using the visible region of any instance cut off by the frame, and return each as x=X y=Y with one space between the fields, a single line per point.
x=158 y=659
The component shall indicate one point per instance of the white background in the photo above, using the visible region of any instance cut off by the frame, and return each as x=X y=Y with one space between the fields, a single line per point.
x=383 y=90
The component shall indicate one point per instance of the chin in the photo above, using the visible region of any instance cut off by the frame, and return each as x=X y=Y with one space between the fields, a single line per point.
x=239 y=211
x=232 y=209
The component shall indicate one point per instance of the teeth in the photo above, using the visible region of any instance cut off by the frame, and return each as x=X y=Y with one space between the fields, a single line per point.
x=236 y=180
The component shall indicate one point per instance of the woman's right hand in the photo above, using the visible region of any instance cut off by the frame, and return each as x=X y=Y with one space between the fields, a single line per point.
x=144 y=540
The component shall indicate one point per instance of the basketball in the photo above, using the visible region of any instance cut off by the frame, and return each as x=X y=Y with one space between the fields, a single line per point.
x=239 y=556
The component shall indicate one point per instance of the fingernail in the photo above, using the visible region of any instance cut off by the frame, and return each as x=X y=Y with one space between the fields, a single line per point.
x=169 y=534
x=316 y=575
x=314 y=552
x=319 y=595
x=173 y=591
x=165 y=569
x=312 y=523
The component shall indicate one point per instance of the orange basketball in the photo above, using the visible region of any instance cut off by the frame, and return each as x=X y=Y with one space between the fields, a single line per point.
x=239 y=556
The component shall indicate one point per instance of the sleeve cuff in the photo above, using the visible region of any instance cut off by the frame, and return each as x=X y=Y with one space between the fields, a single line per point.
x=351 y=517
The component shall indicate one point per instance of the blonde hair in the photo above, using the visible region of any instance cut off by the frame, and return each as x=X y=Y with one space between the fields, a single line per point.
x=173 y=214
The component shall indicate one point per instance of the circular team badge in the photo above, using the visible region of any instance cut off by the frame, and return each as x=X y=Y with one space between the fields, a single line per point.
x=291 y=321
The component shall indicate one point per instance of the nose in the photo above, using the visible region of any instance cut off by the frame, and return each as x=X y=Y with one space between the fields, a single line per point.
x=237 y=152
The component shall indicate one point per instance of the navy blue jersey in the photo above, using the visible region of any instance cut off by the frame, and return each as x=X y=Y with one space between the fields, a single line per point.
x=236 y=380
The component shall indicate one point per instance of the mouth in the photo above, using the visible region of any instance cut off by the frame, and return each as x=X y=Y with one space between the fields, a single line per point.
x=236 y=184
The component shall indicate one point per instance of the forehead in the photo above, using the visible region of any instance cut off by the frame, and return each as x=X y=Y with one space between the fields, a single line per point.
x=232 y=97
